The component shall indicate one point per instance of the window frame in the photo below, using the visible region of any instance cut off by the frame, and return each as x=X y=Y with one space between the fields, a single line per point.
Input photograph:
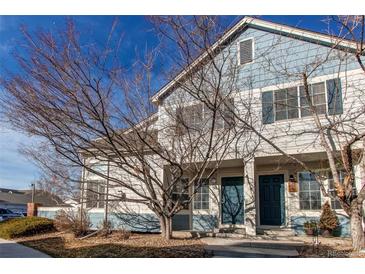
x=199 y=194
x=239 y=51
x=308 y=191
x=299 y=105
x=179 y=194
x=325 y=98
x=222 y=118
x=333 y=200
x=286 y=100
x=100 y=199
x=206 y=117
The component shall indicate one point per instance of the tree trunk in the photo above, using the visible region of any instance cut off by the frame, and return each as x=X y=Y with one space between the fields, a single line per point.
x=357 y=232
x=168 y=228
x=162 y=226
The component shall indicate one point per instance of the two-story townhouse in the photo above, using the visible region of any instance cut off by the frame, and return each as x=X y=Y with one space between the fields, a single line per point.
x=268 y=191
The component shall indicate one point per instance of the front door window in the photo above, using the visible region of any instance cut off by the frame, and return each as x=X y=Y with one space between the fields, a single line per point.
x=232 y=200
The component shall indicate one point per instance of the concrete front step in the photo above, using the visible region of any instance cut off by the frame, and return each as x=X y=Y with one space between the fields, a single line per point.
x=257 y=243
x=203 y=234
x=281 y=232
x=249 y=252
x=247 y=248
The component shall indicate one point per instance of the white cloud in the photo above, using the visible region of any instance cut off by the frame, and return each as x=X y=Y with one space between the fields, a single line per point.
x=2 y=27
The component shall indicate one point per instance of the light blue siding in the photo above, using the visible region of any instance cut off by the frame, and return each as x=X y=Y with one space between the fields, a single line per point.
x=275 y=57
x=132 y=222
x=47 y=214
x=204 y=222
x=343 y=230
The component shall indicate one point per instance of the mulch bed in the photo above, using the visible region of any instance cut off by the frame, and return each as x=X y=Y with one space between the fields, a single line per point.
x=137 y=246
x=329 y=248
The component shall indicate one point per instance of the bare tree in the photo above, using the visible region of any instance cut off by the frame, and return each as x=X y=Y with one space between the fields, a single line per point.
x=57 y=176
x=70 y=95
x=340 y=136
x=94 y=113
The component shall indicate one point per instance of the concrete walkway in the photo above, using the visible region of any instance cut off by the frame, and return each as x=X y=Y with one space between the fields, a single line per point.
x=10 y=249
x=248 y=248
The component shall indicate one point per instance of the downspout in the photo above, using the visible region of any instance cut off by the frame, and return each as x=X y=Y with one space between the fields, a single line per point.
x=82 y=193
x=107 y=196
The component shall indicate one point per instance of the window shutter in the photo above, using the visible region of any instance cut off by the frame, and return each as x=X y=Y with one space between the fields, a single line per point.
x=246 y=52
x=267 y=107
x=229 y=114
x=334 y=96
x=179 y=126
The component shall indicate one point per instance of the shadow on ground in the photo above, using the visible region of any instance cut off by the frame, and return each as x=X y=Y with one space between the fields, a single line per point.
x=60 y=248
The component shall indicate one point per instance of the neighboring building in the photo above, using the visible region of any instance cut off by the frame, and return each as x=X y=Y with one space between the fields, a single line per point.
x=16 y=200
x=273 y=193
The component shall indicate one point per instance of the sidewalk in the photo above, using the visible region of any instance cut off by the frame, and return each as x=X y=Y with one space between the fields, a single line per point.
x=246 y=248
x=10 y=249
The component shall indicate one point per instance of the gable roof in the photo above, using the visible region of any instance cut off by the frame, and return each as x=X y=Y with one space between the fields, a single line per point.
x=12 y=196
x=248 y=21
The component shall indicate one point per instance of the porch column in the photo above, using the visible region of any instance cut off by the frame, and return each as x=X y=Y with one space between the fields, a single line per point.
x=250 y=201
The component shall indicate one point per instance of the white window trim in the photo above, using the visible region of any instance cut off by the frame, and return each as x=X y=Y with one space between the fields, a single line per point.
x=307 y=210
x=239 y=51
x=97 y=192
x=188 y=193
x=204 y=110
x=202 y=209
x=299 y=105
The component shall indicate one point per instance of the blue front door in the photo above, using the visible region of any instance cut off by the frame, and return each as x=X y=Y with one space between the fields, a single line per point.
x=272 y=205
x=232 y=200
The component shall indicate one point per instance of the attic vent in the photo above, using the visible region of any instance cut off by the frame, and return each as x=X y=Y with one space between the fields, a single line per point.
x=245 y=51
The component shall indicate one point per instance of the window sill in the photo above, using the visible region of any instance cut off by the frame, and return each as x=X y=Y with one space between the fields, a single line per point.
x=242 y=65
x=202 y=211
x=299 y=119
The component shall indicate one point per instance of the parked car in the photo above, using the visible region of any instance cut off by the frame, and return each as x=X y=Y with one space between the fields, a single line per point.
x=8 y=214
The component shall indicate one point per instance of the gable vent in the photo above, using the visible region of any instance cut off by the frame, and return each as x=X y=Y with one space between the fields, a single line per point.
x=246 y=51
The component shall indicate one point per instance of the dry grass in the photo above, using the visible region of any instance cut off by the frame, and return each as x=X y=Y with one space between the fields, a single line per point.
x=137 y=246
x=329 y=248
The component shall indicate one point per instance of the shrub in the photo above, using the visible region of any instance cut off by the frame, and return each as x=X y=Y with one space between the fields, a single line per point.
x=328 y=220
x=71 y=221
x=28 y=226
x=123 y=234
x=310 y=224
x=106 y=228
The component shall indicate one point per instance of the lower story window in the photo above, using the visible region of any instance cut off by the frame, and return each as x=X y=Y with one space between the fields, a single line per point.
x=95 y=194
x=201 y=197
x=309 y=192
x=335 y=204
x=181 y=193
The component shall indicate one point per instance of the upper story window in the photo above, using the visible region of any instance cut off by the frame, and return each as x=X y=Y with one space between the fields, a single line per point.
x=95 y=194
x=225 y=115
x=292 y=103
x=286 y=104
x=317 y=94
x=245 y=51
x=194 y=117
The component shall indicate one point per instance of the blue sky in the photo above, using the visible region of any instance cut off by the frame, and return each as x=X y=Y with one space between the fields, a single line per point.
x=15 y=170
